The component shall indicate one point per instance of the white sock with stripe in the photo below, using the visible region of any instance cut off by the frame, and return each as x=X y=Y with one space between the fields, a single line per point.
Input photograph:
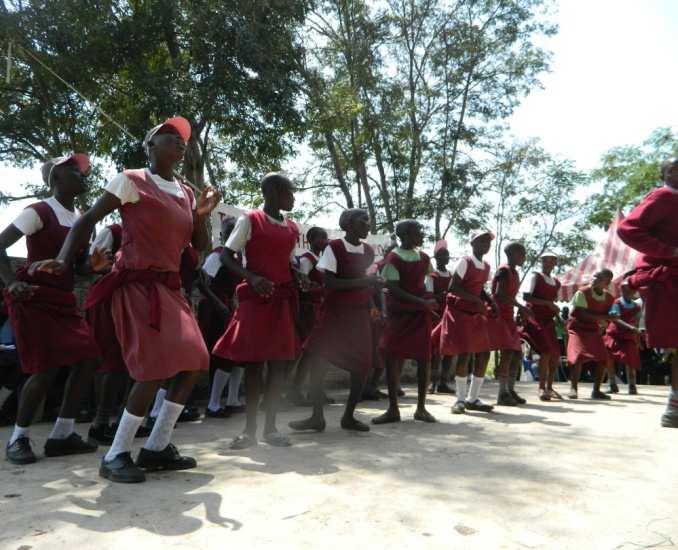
x=219 y=381
x=157 y=404
x=461 y=388
x=474 y=390
x=18 y=432
x=124 y=435
x=164 y=424
x=63 y=427
x=234 y=387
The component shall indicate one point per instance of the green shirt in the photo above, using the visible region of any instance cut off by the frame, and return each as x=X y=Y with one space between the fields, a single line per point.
x=391 y=273
x=579 y=298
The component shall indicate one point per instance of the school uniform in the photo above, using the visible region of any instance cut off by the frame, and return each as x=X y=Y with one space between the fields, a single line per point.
x=540 y=330
x=99 y=318
x=464 y=324
x=502 y=330
x=651 y=228
x=407 y=334
x=343 y=334
x=585 y=342
x=158 y=334
x=439 y=281
x=263 y=329
x=311 y=301
x=223 y=284
x=622 y=343
x=49 y=329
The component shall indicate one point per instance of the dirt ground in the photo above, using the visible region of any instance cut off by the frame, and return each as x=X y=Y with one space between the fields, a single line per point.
x=566 y=474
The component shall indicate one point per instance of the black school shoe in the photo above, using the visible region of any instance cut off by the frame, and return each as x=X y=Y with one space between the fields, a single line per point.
x=505 y=399
x=670 y=418
x=167 y=459
x=101 y=435
x=478 y=405
x=633 y=390
x=20 y=452
x=517 y=398
x=189 y=414
x=597 y=394
x=121 y=470
x=446 y=388
x=219 y=413
x=72 y=445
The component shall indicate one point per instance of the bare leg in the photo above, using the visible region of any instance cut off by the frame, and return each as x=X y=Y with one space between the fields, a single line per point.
x=348 y=420
x=274 y=382
x=316 y=422
x=392 y=414
x=110 y=387
x=421 y=413
x=33 y=392
x=575 y=375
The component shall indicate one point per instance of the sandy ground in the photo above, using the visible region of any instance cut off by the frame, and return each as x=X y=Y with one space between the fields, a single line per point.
x=566 y=474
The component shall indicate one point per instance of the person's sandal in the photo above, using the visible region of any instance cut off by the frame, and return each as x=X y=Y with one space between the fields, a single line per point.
x=243 y=441
x=276 y=439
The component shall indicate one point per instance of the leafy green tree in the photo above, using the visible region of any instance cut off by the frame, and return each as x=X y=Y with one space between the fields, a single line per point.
x=628 y=173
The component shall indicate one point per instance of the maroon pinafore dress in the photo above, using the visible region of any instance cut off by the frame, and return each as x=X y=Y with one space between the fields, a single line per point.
x=585 y=339
x=407 y=334
x=464 y=324
x=502 y=330
x=101 y=323
x=441 y=283
x=49 y=330
x=343 y=335
x=622 y=343
x=540 y=331
x=311 y=302
x=264 y=329
x=154 y=324
x=210 y=319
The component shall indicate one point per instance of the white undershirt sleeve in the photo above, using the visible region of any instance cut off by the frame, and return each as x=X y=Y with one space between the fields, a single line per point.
x=533 y=283
x=241 y=233
x=460 y=268
x=212 y=264
x=122 y=187
x=103 y=241
x=305 y=265
x=327 y=261
x=28 y=222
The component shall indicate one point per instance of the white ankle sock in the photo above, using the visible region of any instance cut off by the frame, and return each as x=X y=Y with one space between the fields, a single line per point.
x=474 y=390
x=63 y=427
x=17 y=433
x=4 y=394
x=218 y=384
x=234 y=387
x=164 y=424
x=124 y=435
x=157 y=404
x=673 y=400
x=461 y=388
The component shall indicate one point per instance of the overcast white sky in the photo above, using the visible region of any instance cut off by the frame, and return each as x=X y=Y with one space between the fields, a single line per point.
x=613 y=81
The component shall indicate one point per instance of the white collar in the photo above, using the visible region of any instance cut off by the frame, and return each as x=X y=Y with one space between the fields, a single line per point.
x=56 y=205
x=549 y=280
x=479 y=264
x=360 y=249
x=313 y=254
x=444 y=273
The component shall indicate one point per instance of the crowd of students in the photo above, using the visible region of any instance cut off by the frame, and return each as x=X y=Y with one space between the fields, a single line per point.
x=264 y=310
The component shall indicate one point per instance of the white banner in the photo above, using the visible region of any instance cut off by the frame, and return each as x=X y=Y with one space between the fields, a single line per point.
x=378 y=242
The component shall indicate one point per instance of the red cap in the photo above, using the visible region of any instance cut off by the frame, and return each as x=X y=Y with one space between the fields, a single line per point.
x=179 y=123
x=80 y=159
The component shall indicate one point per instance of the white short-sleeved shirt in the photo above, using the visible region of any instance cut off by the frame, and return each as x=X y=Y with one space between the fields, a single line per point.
x=212 y=264
x=242 y=233
x=103 y=241
x=533 y=281
x=328 y=261
x=462 y=266
x=123 y=188
x=429 y=279
x=306 y=265
x=29 y=222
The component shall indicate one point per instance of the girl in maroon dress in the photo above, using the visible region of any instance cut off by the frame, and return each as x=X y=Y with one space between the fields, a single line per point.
x=464 y=324
x=343 y=335
x=651 y=228
x=218 y=285
x=310 y=308
x=621 y=337
x=410 y=306
x=540 y=329
x=48 y=327
x=503 y=330
x=591 y=310
x=440 y=281
x=262 y=329
x=154 y=324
